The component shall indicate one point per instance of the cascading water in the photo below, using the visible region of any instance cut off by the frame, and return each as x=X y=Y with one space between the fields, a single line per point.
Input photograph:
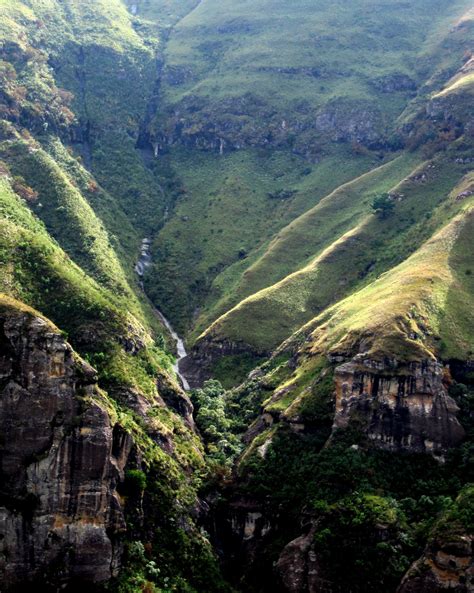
x=143 y=262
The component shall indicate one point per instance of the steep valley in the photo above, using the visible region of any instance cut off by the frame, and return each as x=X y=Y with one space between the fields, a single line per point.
x=237 y=296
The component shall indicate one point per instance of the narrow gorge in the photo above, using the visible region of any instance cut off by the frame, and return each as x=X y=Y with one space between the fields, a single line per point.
x=236 y=296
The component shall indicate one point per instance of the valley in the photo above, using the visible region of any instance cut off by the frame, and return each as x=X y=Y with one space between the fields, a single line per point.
x=236 y=296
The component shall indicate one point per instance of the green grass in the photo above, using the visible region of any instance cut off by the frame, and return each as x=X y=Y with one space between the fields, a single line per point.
x=255 y=73
x=414 y=298
x=307 y=236
x=252 y=57
x=353 y=255
x=247 y=38
x=97 y=320
x=66 y=214
x=459 y=84
x=223 y=211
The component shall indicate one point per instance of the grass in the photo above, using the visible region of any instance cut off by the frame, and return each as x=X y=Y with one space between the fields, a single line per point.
x=249 y=69
x=223 y=212
x=247 y=43
x=308 y=235
x=413 y=299
x=97 y=320
x=66 y=214
x=260 y=74
x=264 y=240
x=460 y=84
x=350 y=260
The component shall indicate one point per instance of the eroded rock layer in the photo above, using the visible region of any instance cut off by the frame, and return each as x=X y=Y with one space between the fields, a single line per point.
x=402 y=406
x=60 y=461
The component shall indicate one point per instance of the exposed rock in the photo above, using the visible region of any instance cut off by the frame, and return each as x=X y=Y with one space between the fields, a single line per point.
x=403 y=406
x=348 y=121
x=176 y=399
x=445 y=566
x=198 y=365
x=447 y=563
x=61 y=460
x=248 y=121
x=393 y=83
x=297 y=567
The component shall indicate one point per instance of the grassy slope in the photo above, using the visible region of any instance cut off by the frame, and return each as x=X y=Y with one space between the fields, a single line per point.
x=249 y=39
x=93 y=48
x=108 y=59
x=66 y=213
x=67 y=197
x=422 y=308
x=311 y=233
x=430 y=278
x=105 y=53
x=38 y=272
x=224 y=212
x=352 y=257
x=227 y=54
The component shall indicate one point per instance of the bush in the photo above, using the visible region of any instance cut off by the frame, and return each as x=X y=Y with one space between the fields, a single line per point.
x=135 y=481
x=383 y=205
x=213 y=422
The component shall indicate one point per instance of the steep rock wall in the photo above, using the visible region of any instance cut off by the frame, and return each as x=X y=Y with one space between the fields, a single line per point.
x=61 y=461
x=402 y=406
x=445 y=566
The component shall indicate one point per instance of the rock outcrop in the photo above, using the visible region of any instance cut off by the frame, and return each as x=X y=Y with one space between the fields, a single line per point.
x=402 y=406
x=445 y=566
x=199 y=364
x=61 y=461
x=249 y=122
x=447 y=563
x=297 y=567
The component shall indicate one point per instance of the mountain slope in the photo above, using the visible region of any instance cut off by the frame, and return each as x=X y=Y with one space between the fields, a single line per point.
x=217 y=99
x=303 y=176
x=88 y=450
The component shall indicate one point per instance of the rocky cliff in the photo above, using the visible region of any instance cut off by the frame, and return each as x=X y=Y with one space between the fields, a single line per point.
x=447 y=562
x=61 y=461
x=401 y=406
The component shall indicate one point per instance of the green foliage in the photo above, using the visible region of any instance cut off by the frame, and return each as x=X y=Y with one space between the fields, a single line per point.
x=368 y=247
x=254 y=232
x=221 y=207
x=383 y=205
x=135 y=481
x=459 y=519
x=175 y=555
x=215 y=425
x=364 y=543
x=232 y=370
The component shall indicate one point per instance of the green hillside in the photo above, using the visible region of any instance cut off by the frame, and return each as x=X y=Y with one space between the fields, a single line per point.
x=356 y=257
x=217 y=99
x=291 y=184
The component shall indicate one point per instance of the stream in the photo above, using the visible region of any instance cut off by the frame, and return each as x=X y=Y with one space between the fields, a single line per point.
x=143 y=262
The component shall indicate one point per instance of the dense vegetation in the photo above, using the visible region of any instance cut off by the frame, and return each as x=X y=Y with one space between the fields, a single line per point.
x=303 y=172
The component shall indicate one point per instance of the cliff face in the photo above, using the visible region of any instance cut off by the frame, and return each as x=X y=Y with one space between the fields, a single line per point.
x=61 y=461
x=200 y=363
x=401 y=406
x=447 y=562
x=445 y=566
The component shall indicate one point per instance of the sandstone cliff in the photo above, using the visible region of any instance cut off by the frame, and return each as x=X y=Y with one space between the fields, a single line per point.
x=403 y=406
x=447 y=562
x=61 y=460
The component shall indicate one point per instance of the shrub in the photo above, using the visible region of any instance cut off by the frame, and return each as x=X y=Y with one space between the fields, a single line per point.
x=135 y=481
x=383 y=205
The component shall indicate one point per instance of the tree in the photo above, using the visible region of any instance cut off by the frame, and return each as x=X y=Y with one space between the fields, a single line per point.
x=383 y=205
x=212 y=420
